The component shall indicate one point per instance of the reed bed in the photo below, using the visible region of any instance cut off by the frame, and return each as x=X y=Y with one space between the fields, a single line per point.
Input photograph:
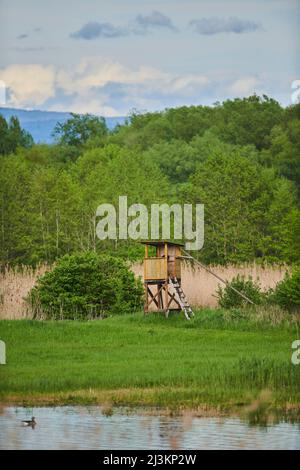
x=199 y=286
x=15 y=284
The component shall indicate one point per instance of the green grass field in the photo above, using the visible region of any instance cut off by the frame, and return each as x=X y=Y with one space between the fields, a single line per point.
x=213 y=362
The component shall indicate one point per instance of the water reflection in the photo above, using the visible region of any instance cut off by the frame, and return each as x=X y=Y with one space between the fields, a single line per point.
x=90 y=428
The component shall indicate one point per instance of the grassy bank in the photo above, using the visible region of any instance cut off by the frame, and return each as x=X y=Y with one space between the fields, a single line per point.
x=218 y=362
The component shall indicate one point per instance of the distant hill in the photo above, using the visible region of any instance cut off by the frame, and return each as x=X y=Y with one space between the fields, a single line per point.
x=40 y=124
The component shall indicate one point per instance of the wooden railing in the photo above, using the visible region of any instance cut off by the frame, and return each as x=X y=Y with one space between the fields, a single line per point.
x=157 y=268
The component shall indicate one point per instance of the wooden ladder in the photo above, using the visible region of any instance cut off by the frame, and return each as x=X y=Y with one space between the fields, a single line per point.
x=182 y=300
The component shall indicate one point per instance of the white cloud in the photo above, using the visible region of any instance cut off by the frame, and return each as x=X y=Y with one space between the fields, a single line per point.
x=82 y=106
x=92 y=86
x=246 y=86
x=97 y=72
x=188 y=83
x=28 y=85
x=103 y=86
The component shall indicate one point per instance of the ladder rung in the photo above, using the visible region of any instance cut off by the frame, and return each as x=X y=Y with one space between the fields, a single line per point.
x=184 y=305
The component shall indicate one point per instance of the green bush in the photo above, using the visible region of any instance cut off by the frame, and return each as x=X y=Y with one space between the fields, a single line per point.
x=228 y=298
x=86 y=286
x=287 y=292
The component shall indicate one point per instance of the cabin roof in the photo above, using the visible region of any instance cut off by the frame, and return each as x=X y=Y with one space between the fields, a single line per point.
x=161 y=243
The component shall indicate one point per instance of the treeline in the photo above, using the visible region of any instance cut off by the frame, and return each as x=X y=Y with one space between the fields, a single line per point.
x=240 y=158
x=13 y=136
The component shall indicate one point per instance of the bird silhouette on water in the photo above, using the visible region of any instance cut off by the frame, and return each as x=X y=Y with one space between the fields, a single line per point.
x=30 y=422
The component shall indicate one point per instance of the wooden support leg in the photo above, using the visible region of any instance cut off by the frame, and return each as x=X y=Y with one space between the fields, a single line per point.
x=166 y=300
x=159 y=297
x=154 y=298
x=146 y=298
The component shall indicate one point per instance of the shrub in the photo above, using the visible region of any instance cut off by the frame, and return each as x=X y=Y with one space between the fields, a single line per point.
x=84 y=286
x=228 y=298
x=287 y=292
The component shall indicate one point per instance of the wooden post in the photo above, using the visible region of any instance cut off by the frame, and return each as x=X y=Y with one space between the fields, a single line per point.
x=167 y=279
x=159 y=298
x=146 y=298
x=145 y=283
x=166 y=260
x=145 y=262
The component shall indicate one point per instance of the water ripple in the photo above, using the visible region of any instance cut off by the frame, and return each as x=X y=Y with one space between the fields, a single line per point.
x=88 y=428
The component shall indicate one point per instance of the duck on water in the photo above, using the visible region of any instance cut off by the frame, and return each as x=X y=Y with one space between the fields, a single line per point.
x=31 y=422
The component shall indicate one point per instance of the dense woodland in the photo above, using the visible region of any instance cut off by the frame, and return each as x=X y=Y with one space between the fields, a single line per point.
x=241 y=158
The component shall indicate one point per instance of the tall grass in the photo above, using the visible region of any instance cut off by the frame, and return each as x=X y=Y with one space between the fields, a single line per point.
x=200 y=287
x=15 y=283
x=148 y=360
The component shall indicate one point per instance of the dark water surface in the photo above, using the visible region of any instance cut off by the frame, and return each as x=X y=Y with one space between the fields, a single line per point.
x=79 y=427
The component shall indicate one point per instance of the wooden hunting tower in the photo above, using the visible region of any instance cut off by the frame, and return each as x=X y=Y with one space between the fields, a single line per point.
x=162 y=278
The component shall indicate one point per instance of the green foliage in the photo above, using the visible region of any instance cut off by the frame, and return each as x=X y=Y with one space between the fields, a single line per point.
x=228 y=298
x=240 y=158
x=44 y=155
x=179 y=160
x=79 y=129
x=48 y=207
x=13 y=136
x=15 y=181
x=285 y=146
x=246 y=208
x=287 y=292
x=239 y=122
x=107 y=173
x=293 y=236
x=86 y=286
x=40 y=211
x=248 y=120
x=176 y=159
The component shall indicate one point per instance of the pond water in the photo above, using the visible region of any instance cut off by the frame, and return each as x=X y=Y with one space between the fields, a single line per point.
x=79 y=427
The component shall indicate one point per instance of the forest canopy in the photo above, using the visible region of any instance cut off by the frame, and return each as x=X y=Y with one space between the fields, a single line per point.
x=241 y=158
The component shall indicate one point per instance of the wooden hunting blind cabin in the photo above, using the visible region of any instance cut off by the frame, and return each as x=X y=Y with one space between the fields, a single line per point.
x=162 y=278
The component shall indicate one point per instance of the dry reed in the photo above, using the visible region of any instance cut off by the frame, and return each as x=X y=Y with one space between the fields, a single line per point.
x=200 y=286
x=15 y=284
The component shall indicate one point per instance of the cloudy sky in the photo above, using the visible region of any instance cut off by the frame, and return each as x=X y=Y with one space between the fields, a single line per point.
x=112 y=56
